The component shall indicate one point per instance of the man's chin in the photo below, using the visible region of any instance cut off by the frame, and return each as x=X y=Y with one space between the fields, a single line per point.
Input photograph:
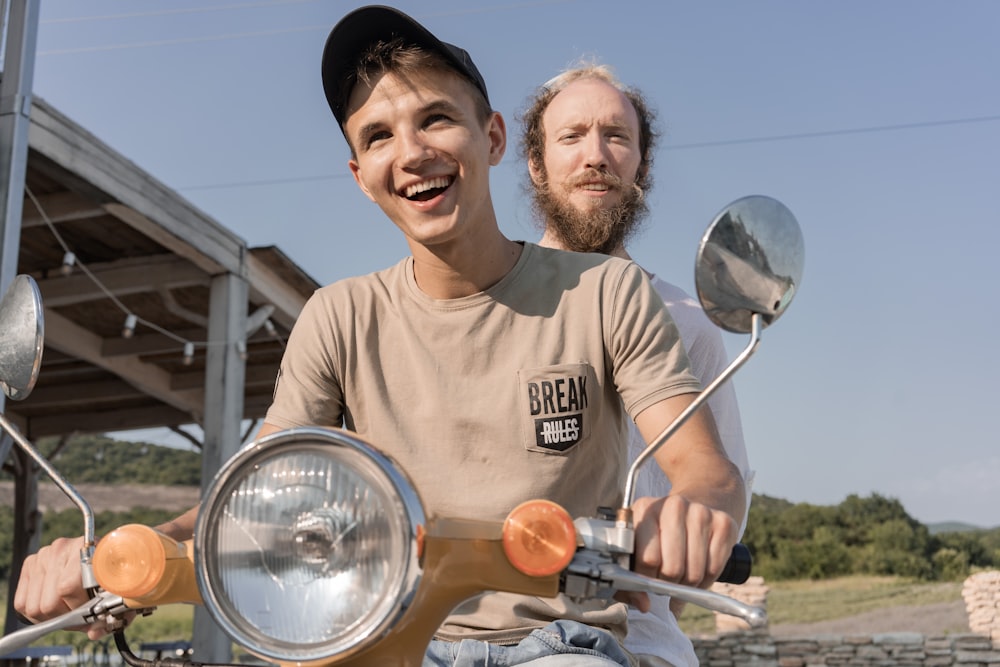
x=587 y=205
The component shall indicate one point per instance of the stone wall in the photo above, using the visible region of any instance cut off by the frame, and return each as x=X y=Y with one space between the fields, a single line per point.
x=737 y=646
x=752 y=592
x=981 y=593
x=903 y=649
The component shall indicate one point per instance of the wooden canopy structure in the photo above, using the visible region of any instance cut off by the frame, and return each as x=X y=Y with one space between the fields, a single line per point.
x=145 y=251
x=141 y=250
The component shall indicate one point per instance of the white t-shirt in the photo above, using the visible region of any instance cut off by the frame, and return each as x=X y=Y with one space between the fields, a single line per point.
x=657 y=632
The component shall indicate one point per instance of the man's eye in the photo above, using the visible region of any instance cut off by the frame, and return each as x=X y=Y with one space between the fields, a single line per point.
x=437 y=118
x=376 y=137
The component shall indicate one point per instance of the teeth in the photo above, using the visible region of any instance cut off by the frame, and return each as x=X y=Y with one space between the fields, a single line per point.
x=424 y=186
x=597 y=187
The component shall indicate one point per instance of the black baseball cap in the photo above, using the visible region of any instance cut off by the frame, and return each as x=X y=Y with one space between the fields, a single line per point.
x=367 y=25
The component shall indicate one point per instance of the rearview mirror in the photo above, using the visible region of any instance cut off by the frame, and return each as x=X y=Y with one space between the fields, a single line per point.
x=22 y=333
x=749 y=261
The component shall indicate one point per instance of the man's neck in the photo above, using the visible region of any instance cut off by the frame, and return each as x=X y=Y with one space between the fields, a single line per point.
x=457 y=273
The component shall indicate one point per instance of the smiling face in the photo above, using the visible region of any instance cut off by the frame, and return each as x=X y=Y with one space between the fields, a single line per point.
x=586 y=183
x=423 y=152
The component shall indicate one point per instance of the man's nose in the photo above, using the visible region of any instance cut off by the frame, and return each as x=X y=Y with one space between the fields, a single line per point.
x=413 y=149
x=595 y=152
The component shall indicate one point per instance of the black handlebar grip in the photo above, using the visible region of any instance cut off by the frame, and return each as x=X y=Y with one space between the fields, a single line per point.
x=737 y=569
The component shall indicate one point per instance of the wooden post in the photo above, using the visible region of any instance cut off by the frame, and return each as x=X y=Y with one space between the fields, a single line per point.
x=225 y=374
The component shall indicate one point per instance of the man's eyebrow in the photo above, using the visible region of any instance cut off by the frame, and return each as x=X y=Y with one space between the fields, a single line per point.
x=367 y=130
x=440 y=105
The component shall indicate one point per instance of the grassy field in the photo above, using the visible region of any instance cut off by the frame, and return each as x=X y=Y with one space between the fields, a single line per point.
x=788 y=602
x=812 y=601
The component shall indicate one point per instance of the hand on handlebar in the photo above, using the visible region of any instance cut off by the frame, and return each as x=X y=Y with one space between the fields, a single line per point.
x=51 y=584
x=680 y=541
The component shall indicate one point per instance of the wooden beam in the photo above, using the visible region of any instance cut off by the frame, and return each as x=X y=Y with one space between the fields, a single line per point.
x=147 y=343
x=121 y=278
x=256 y=375
x=79 y=394
x=59 y=207
x=267 y=287
x=164 y=236
x=74 y=340
x=118 y=419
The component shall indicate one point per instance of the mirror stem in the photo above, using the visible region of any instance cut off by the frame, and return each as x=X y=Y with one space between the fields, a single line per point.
x=89 y=530
x=755 y=329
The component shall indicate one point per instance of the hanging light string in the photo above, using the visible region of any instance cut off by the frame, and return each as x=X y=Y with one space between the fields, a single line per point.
x=70 y=260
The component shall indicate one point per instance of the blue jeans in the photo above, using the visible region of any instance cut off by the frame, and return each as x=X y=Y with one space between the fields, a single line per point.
x=558 y=643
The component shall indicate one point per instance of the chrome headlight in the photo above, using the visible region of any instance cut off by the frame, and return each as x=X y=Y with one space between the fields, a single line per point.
x=307 y=545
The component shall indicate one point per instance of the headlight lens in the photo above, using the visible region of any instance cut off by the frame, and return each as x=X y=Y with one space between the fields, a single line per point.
x=307 y=545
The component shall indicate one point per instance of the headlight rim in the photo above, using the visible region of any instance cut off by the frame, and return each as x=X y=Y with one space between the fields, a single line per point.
x=304 y=438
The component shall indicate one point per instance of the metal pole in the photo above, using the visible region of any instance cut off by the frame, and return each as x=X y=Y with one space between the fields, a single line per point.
x=15 y=117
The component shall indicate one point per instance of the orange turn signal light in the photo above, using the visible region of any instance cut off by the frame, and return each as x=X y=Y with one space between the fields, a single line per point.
x=130 y=561
x=539 y=538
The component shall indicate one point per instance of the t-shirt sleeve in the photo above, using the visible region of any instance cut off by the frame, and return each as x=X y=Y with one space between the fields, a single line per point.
x=308 y=391
x=648 y=359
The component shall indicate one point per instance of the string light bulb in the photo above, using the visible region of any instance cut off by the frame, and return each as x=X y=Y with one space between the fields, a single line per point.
x=188 y=353
x=128 y=329
x=269 y=327
x=241 y=349
x=69 y=259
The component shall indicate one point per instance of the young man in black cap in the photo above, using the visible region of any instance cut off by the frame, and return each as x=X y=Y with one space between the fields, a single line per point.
x=493 y=371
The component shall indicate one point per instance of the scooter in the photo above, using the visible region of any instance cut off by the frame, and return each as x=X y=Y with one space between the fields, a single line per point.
x=313 y=548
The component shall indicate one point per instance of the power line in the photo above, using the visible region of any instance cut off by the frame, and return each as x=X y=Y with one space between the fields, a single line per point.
x=701 y=144
x=246 y=35
x=275 y=181
x=171 y=12
x=833 y=133
x=179 y=40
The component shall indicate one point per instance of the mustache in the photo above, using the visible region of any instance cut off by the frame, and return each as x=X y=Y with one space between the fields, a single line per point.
x=597 y=176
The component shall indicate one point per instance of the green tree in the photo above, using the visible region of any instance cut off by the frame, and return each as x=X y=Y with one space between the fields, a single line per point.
x=895 y=547
x=98 y=459
x=822 y=555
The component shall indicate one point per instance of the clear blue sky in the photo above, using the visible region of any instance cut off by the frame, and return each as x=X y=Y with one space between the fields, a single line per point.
x=877 y=123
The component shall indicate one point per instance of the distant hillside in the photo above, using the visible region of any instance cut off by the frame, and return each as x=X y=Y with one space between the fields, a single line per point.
x=951 y=527
x=96 y=459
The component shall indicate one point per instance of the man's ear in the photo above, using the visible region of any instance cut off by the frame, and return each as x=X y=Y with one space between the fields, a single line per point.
x=497 y=132
x=536 y=173
x=356 y=173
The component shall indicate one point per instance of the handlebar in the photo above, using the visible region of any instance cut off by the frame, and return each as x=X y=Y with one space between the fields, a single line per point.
x=738 y=567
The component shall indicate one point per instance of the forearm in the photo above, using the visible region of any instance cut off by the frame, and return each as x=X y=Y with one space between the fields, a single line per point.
x=712 y=481
x=693 y=459
x=181 y=528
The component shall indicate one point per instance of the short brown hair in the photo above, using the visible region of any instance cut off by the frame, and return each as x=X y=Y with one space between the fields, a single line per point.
x=399 y=57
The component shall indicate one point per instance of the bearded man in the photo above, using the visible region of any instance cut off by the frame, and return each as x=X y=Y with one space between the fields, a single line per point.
x=588 y=141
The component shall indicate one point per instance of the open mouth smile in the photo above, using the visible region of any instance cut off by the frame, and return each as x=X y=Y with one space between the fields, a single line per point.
x=425 y=190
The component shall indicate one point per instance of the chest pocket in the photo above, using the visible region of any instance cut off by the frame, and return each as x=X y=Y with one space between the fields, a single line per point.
x=555 y=408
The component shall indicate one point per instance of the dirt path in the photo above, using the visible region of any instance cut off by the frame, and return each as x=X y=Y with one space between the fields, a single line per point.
x=114 y=498
x=932 y=619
